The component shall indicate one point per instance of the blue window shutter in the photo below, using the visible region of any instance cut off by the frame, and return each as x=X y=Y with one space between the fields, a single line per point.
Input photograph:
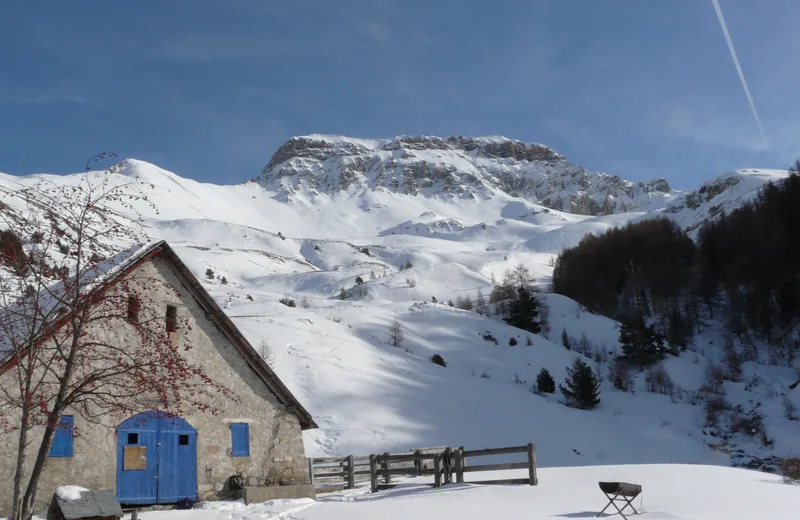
x=62 y=440
x=240 y=439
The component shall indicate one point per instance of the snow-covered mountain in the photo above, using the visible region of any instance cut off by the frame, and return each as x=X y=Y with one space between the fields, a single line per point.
x=723 y=193
x=455 y=167
x=325 y=211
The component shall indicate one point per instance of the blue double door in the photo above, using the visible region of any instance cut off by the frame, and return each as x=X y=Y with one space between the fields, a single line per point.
x=156 y=460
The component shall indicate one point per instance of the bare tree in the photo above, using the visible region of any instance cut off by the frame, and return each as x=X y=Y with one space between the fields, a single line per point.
x=481 y=306
x=396 y=334
x=65 y=334
x=266 y=353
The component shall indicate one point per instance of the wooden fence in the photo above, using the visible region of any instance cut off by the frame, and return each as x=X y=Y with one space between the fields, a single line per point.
x=446 y=465
x=336 y=473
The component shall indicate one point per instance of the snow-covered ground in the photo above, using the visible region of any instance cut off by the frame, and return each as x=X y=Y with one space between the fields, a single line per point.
x=369 y=397
x=670 y=492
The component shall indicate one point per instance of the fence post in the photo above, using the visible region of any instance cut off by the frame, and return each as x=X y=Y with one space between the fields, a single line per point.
x=437 y=470
x=463 y=458
x=311 y=471
x=373 y=473
x=351 y=473
x=459 y=465
x=534 y=480
x=418 y=462
x=448 y=468
x=387 y=478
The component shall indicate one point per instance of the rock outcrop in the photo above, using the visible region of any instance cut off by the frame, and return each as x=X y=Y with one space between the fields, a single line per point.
x=474 y=167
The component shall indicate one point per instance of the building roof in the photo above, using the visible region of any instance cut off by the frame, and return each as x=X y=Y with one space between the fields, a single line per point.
x=90 y=504
x=128 y=261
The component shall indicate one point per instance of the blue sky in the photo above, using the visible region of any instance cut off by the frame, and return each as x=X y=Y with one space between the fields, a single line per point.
x=210 y=89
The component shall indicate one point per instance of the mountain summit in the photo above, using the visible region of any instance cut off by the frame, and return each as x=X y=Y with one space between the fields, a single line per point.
x=464 y=167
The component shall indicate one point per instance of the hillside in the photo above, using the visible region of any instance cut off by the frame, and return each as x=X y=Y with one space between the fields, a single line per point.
x=319 y=216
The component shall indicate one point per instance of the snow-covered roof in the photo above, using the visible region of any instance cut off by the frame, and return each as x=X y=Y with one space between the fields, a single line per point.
x=76 y=502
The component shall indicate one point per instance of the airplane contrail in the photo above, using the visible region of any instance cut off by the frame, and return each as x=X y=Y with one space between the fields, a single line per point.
x=739 y=68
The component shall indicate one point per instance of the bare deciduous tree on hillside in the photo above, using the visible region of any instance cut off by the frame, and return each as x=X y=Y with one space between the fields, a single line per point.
x=396 y=334
x=65 y=337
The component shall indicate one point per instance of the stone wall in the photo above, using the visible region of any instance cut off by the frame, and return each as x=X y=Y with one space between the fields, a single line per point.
x=276 y=443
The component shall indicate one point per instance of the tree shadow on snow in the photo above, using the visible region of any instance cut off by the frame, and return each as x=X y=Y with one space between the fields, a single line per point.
x=784 y=481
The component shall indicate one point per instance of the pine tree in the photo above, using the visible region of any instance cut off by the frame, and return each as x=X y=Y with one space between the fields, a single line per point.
x=641 y=343
x=795 y=168
x=523 y=311
x=359 y=280
x=582 y=388
x=224 y=281
x=565 y=339
x=342 y=294
x=545 y=384
x=396 y=334
x=210 y=273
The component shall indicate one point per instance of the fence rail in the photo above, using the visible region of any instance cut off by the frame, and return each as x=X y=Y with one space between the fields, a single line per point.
x=445 y=464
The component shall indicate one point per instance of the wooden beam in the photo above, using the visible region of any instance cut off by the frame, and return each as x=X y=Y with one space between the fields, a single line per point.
x=459 y=465
x=387 y=477
x=330 y=475
x=497 y=467
x=495 y=451
x=437 y=468
x=351 y=476
x=407 y=457
x=410 y=472
x=373 y=473
x=534 y=480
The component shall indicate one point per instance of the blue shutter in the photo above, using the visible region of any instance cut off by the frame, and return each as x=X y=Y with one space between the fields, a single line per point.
x=240 y=439
x=62 y=440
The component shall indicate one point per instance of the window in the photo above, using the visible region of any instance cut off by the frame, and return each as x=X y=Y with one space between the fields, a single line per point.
x=133 y=309
x=240 y=439
x=172 y=318
x=62 y=440
x=183 y=440
x=133 y=438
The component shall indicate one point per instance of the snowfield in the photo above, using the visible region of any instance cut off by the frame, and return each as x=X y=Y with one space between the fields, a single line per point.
x=369 y=397
x=670 y=492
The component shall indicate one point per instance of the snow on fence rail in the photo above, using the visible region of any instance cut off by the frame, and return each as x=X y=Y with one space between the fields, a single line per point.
x=443 y=463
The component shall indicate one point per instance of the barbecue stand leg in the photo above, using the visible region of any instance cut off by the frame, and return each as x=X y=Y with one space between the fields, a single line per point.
x=630 y=504
x=610 y=501
x=619 y=510
x=613 y=501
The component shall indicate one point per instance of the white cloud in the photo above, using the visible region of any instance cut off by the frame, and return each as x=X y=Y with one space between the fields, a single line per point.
x=48 y=98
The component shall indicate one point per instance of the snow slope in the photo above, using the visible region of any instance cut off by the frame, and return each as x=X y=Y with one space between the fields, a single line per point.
x=369 y=397
x=670 y=492
x=720 y=194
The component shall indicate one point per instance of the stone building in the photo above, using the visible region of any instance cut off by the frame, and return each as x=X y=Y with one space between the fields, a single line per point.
x=151 y=458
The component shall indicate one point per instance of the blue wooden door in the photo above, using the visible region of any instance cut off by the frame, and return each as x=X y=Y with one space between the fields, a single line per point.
x=177 y=461
x=156 y=460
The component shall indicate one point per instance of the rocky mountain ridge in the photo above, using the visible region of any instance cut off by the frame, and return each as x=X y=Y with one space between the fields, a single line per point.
x=465 y=167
